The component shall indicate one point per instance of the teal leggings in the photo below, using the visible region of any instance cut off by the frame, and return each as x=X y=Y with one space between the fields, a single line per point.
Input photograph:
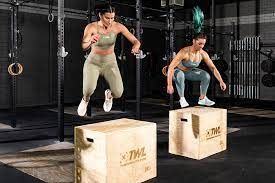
x=194 y=74
x=106 y=66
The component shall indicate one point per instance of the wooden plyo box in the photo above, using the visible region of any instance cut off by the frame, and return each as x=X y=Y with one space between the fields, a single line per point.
x=197 y=132
x=117 y=151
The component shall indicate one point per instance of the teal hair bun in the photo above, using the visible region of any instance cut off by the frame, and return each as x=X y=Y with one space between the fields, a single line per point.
x=198 y=18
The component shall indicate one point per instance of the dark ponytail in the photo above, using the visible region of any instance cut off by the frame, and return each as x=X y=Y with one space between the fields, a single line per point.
x=105 y=8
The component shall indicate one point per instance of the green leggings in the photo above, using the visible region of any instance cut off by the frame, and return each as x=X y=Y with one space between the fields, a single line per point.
x=105 y=65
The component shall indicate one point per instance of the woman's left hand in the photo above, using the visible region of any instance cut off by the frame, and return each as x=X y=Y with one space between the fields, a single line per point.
x=223 y=86
x=135 y=50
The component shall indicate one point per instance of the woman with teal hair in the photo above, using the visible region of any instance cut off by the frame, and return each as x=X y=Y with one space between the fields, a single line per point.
x=198 y=18
x=184 y=65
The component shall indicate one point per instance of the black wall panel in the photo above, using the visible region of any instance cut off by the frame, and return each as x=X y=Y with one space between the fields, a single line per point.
x=4 y=60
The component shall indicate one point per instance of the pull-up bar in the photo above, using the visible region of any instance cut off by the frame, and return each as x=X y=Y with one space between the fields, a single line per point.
x=143 y=8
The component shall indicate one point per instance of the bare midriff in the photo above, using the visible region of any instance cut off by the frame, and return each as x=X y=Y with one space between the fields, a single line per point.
x=103 y=51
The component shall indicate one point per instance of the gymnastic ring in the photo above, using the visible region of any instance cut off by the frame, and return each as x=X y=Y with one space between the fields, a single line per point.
x=133 y=31
x=50 y=17
x=20 y=69
x=164 y=70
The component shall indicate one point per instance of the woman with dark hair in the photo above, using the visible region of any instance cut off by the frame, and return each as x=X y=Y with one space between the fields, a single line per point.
x=100 y=36
x=184 y=66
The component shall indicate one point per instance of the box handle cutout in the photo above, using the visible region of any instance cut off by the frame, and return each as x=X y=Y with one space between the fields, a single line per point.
x=183 y=120
x=90 y=140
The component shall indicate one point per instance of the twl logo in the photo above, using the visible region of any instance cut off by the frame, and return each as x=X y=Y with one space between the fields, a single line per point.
x=213 y=132
x=133 y=156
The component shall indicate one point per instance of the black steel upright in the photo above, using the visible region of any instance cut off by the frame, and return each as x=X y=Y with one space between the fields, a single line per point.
x=91 y=10
x=257 y=66
x=60 y=82
x=14 y=57
x=122 y=71
x=213 y=40
x=170 y=41
x=213 y=25
x=232 y=64
x=257 y=10
x=138 y=60
x=90 y=17
x=238 y=4
x=51 y=27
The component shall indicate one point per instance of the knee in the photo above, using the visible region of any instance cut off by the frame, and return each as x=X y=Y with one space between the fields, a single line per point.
x=180 y=77
x=206 y=77
x=117 y=92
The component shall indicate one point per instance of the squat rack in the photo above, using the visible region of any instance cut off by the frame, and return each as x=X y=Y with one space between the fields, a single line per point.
x=14 y=56
x=61 y=54
x=61 y=58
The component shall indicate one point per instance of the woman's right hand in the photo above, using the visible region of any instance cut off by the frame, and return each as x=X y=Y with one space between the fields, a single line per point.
x=94 y=38
x=170 y=89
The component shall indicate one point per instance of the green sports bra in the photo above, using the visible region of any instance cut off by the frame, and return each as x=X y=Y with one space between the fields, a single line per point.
x=105 y=41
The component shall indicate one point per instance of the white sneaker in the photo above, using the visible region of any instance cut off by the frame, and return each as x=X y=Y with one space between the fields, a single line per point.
x=107 y=106
x=206 y=102
x=82 y=108
x=183 y=102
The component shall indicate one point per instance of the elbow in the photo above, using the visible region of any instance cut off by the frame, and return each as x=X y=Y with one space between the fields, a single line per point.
x=85 y=48
x=170 y=70
x=214 y=69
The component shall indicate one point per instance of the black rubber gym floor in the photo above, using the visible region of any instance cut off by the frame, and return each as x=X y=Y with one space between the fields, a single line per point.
x=250 y=154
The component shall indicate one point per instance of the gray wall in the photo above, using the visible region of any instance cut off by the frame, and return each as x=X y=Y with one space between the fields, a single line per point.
x=249 y=25
x=37 y=85
x=4 y=62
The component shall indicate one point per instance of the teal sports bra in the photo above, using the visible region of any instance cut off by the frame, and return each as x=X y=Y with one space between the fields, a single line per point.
x=190 y=64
